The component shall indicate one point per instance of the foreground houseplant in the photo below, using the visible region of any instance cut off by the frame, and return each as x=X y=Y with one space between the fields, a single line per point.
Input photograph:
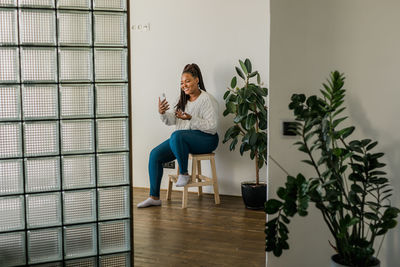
x=348 y=188
x=248 y=105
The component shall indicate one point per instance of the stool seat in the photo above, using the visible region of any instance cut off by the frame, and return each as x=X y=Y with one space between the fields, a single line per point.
x=197 y=179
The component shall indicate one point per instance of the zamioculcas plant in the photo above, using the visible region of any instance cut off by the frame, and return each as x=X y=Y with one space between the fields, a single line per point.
x=349 y=187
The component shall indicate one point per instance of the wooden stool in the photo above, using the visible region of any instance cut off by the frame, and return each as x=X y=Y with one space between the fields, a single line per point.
x=197 y=179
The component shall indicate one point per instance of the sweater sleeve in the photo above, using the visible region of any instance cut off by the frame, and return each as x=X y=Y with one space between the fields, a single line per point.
x=207 y=121
x=169 y=116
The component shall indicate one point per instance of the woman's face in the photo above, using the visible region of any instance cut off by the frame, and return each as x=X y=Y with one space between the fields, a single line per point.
x=189 y=84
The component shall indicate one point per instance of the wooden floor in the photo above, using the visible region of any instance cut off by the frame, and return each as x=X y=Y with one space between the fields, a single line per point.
x=204 y=234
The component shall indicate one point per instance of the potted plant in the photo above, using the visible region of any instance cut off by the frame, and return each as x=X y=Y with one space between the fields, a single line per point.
x=348 y=188
x=247 y=103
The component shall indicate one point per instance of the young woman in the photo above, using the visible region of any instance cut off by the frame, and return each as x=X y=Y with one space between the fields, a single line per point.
x=195 y=118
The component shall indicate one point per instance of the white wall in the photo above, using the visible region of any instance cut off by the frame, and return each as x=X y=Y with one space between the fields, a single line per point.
x=310 y=38
x=213 y=34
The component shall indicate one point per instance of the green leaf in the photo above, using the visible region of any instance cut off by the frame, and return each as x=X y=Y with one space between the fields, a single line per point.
x=233 y=83
x=258 y=78
x=247 y=62
x=371 y=216
x=250 y=121
x=253 y=74
x=253 y=139
x=272 y=206
x=336 y=122
x=231 y=107
x=227 y=93
x=372 y=145
x=243 y=67
x=240 y=73
x=308 y=162
x=233 y=144
x=356 y=188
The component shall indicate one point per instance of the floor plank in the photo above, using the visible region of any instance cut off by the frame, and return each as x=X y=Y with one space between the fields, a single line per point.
x=204 y=234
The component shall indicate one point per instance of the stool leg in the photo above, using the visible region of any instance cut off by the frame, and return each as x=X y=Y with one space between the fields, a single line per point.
x=169 y=189
x=184 y=197
x=194 y=171
x=215 y=181
x=199 y=179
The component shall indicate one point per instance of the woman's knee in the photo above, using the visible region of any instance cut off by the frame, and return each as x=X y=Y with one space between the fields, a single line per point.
x=155 y=154
x=177 y=136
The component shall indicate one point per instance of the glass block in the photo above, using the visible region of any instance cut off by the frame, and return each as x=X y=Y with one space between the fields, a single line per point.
x=8 y=26
x=53 y=264
x=75 y=64
x=42 y=174
x=39 y=64
x=36 y=3
x=77 y=136
x=116 y=260
x=87 y=262
x=109 y=4
x=9 y=102
x=80 y=241
x=9 y=65
x=76 y=101
x=12 y=213
x=112 y=100
x=11 y=177
x=113 y=169
x=10 y=136
x=12 y=249
x=44 y=245
x=112 y=134
x=110 y=64
x=113 y=203
x=114 y=236
x=74 y=28
x=75 y=4
x=79 y=206
x=8 y=2
x=41 y=138
x=78 y=171
x=40 y=102
x=37 y=27
x=110 y=28
x=43 y=210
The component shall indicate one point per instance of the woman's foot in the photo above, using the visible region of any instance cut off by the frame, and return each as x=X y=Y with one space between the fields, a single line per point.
x=183 y=179
x=149 y=202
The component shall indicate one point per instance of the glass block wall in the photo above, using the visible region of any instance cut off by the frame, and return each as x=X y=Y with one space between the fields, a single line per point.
x=64 y=134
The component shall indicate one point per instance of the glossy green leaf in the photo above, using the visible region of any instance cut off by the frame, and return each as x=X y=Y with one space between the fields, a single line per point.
x=233 y=82
x=243 y=66
x=247 y=63
x=240 y=73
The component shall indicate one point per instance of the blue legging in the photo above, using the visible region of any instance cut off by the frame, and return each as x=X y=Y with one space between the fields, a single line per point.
x=178 y=146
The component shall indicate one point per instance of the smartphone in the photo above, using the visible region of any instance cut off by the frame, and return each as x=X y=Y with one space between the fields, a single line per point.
x=162 y=97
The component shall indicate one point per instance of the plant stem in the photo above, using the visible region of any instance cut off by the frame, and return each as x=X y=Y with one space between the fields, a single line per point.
x=257 y=169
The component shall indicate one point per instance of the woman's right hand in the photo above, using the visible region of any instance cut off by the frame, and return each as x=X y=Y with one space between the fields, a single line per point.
x=162 y=106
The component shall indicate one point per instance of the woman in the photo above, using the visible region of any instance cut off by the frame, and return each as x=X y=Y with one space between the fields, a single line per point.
x=195 y=118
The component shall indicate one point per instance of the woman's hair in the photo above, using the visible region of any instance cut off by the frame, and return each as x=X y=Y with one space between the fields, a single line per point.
x=194 y=70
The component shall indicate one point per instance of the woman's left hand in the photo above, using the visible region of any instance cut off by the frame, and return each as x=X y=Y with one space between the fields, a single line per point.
x=182 y=115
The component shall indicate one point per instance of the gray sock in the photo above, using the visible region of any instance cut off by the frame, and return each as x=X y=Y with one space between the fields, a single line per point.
x=183 y=179
x=149 y=202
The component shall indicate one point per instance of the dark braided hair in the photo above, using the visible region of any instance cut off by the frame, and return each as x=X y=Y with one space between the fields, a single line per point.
x=194 y=70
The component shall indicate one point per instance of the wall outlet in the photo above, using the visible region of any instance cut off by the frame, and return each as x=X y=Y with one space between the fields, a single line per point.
x=141 y=27
x=169 y=165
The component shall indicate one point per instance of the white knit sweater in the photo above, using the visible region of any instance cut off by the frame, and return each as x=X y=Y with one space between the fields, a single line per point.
x=204 y=112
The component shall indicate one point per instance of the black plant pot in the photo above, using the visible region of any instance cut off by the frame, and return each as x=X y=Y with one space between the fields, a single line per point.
x=254 y=196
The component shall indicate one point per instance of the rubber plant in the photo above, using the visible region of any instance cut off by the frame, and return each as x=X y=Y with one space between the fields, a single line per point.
x=349 y=186
x=247 y=102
